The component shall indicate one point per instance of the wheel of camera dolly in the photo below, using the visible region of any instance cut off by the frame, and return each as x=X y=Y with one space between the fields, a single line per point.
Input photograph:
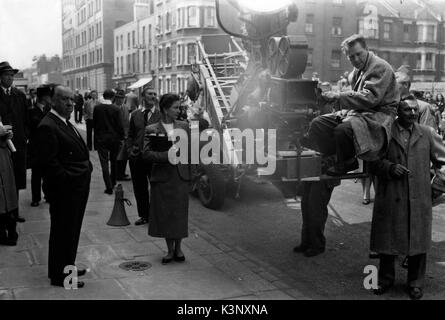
x=211 y=187
x=273 y=54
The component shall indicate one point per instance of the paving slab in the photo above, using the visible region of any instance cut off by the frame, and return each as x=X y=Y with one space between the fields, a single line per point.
x=205 y=284
x=109 y=236
x=108 y=289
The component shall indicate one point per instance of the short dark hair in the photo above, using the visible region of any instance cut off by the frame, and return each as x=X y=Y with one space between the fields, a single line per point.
x=108 y=94
x=352 y=40
x=409 y=97
x=147 y=89
x=167 y=101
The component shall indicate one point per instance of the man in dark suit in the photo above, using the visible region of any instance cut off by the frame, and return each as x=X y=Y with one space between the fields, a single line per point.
x=108 y=133
x=36 y=114
x=140 y=171
x=32 y=100
x=78 y=108
x=14 y=112
x=64 y=159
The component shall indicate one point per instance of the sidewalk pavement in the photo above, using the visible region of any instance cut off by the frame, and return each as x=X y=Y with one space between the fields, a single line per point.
x=211 y=270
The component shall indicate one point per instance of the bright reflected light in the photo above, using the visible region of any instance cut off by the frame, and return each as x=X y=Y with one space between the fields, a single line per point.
x=264 y=6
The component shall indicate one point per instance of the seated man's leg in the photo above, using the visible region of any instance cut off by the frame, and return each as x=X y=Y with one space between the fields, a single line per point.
x=321 y=133
x=345 y=150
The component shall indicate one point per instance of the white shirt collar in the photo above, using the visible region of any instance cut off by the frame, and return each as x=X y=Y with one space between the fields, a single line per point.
x=6 y=89
x=106 y=102
x=54 y=112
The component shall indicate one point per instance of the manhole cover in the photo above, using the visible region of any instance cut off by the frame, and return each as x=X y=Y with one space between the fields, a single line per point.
x=135 y=266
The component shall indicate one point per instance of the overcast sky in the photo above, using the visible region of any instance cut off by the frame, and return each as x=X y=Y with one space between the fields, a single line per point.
x=29 y=28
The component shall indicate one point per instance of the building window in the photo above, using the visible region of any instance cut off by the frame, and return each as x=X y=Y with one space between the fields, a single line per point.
x=152 y=7
x=210 y=17
x=192 y=16
x=168 y=57
x=179 y=18
x=430 y=31
x=128 y=63
x=117 y=66
x=160 y=57
x=133 y=36
x=309 y=26
x=429 y=61
x=143 y=35
x=309 y=57
x=168 y=85
x=144 y=61
x=159 y=25
x=369 y=28
x=122 y=65
x=168 y=22
x=122 y=42
x=149 y=34
x=191 y=53
x=98 y=5
x=406 y=35
x=336 y=26
x=117 y=43
x=128 y=40
x=387 y=31
x=335 y=58
x=419 y=61
x=160 y=86
x=179 y=54
x=135 y=63
x=150 y=60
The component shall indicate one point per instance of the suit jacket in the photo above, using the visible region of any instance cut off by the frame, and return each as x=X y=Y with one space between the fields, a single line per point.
x=161 y=167
x=14 y=111
x=63 y=155
x=107 y=124
x=136 y=132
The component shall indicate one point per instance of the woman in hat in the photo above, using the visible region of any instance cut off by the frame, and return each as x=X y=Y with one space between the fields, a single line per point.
x=8 y=191
x=169 y=182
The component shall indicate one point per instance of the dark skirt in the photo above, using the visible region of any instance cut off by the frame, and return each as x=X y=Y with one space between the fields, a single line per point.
x=169 y=202
x=8 y=191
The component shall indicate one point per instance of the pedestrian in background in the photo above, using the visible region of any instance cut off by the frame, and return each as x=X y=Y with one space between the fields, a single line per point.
x=78 y=107
x=108 y=136
x=14 y=112
x=169 y=182
x=440 y=102
x=88 y=113
x=132 y=101
x=402 y=215
x=37 y=113
x=122 y=157
x=8 y=190
x=142 y=117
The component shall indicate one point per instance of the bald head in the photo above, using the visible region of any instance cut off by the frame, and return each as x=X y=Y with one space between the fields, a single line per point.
x=403 y=83
x=63 y=101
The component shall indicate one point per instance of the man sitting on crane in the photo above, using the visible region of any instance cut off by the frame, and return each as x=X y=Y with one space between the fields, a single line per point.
x=364 y=130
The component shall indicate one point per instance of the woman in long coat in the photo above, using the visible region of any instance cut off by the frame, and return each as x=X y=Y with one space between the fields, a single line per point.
x=8 y=191
x=169 y=197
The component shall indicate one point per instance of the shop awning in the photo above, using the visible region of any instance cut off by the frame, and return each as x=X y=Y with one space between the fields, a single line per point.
x=140 y=83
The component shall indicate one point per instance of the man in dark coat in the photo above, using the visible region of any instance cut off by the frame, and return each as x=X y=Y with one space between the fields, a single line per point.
x=36 y=114
x=64 y=159
x=14 y=111
x=122 y=158
x=140 y=171
x=402 y=215
x=363 y=130
x=78 y=107
x=108 y=134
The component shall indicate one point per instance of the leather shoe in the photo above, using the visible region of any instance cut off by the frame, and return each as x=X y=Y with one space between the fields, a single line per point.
x=81 y=272
x=415 y=293
x=373 y=255
x=382 y=289
x=166 y=260
x=141 y=222
x=299 y=249
x=179 y=259
x=57 y=283
x=313 y=252
x=35 y=204
x=20 y=219
x=109 y=191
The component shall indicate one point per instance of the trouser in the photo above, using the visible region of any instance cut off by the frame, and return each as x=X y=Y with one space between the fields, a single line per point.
x=67 y=209
x=8 y=226
x=122 y=162
x=107 y=157
x=89 y=125
x=140 y=173
x=331 y=136
x=416 y=270
x=314 y=209
x=36 y=184
x=78 y=114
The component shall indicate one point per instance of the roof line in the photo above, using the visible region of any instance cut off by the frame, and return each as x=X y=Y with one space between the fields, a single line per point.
x=390 y=8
